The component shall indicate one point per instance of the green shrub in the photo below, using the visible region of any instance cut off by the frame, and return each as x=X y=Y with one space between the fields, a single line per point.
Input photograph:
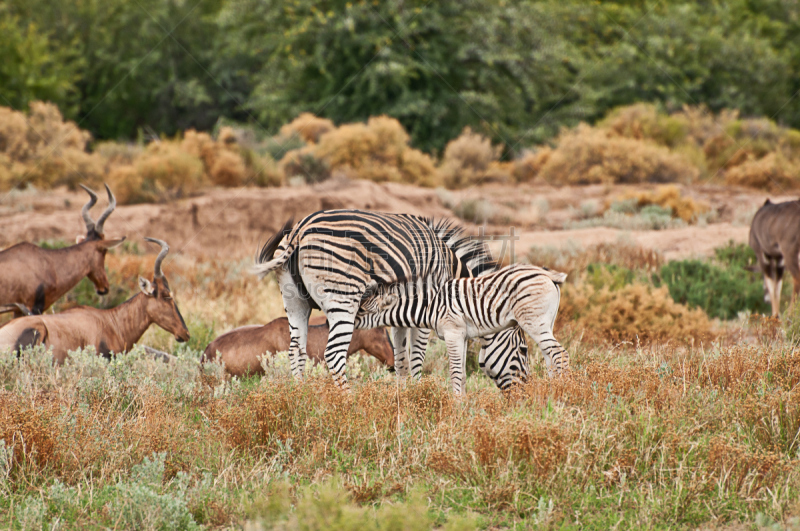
x=739 y=255
x=721 y=291
x=612 y=276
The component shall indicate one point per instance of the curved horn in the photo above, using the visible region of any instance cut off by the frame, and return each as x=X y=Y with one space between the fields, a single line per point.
x=112 y=204
x=85 y=210
x=160 y=258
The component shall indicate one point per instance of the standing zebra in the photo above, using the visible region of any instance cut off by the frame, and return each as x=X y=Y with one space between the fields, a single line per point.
x=464 y=308
x=330 y=258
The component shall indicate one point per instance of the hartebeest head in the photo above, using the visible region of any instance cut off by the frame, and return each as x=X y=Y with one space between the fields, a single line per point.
x=95 y=239
x=161 y=307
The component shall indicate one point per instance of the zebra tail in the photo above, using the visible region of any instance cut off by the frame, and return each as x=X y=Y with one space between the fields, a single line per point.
x=556 y=276
x=265 y=262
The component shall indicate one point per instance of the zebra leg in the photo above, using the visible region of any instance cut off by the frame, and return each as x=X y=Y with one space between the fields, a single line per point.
x=555 y=356
x=298 y=310
x=456 y=350
x=419 y=345
x=400 y=338
x=341 y=320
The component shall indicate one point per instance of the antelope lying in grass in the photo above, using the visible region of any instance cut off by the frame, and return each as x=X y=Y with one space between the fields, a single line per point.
x=242 y=347
x=775 y=238
x=114 y=330
x=37 y=277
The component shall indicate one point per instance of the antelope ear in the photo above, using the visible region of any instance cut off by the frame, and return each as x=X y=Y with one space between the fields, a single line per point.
x=146 y=287
x=110 y=244
x=80 y=238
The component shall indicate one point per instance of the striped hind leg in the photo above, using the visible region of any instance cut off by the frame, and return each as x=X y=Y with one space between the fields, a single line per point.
x=341 y=321
x=400 y=339
x=537 y=316
x=456 y=343
x=298 y=309
x=419 y=338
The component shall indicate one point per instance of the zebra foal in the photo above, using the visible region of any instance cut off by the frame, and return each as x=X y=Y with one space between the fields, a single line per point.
x=465 y=308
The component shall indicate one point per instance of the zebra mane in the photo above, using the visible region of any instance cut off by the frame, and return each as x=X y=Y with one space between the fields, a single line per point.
x=472 y=251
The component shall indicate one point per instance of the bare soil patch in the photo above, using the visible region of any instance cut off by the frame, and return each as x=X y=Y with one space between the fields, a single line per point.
x=229 y=223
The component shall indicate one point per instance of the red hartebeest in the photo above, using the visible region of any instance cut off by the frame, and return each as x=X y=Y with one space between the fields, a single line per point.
x=37 y=277
x=775 y=238
x=114 y=330
x=241 y=348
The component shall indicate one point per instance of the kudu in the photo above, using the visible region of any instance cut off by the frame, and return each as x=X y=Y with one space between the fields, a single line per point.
x=242 y=347
x=36 y=277
x=114 y=330
x=775 y=238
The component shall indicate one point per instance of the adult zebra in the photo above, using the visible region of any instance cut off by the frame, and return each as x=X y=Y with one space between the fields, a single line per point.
x=330 y=259
x=519 y=295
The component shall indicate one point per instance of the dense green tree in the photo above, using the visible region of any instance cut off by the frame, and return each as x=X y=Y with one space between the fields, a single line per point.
x=517 y=71
x=32 y=68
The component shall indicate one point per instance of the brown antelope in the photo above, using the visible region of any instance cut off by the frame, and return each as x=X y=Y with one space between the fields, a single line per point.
x=242 y=347
x=37 y=277
x=775 y=238
x=114 y=330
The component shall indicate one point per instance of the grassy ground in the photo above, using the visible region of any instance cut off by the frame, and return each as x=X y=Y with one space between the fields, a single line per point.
x=659 y=437
x=674 y=435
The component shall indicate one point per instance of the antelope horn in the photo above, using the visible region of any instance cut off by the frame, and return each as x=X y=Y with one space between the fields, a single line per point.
x=85 y=210
x=16 y=306
x=160 y=258
x=112 y=204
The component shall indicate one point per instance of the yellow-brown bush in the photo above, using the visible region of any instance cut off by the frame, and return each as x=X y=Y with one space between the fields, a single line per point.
x=42 y=149
x=222 y=158
x=753 y=152
x=304 y=162
x=378 y=150
x=636 y=312
x=669 y=196
x=587 y=155
x=773 y=172
x=163 y=171
x=527 y=167
x=469 y=160
x=308 y=127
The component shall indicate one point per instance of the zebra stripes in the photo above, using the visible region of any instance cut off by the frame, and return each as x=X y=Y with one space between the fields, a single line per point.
x=330 y=258
x=464 y=308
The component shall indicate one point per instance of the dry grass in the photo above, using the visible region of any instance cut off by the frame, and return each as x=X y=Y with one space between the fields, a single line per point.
x=638 y=313
x=669 y=196
x=684 y=435
x=574 y=261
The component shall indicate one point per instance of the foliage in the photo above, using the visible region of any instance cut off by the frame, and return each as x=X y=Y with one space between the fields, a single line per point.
x=43 y=149
x=720 y=292
x=34 y=67
x=669 y=197
x=377 y=150
x=635 y=312
x=163 y=67
x=588 y=155
x=468 y=160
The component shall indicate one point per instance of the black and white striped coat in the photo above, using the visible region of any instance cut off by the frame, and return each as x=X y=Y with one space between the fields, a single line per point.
x=465 y=308
x=331 y=258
